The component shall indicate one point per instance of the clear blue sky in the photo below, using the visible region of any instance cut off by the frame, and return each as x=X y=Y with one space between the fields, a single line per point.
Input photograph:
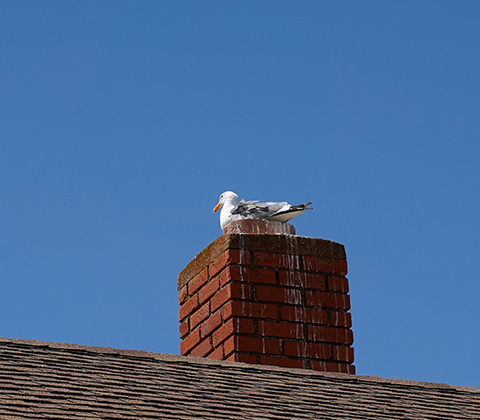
x=123 y=121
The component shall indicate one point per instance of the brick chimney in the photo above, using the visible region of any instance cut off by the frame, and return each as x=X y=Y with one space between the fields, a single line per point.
x=260 y=294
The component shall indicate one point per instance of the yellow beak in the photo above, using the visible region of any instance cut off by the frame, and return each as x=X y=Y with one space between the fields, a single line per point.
x=217 y=207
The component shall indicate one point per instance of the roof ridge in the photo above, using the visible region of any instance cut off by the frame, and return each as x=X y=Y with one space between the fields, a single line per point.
x=166 y=357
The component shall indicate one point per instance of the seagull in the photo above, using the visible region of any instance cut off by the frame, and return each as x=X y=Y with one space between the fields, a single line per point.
x=234 y=210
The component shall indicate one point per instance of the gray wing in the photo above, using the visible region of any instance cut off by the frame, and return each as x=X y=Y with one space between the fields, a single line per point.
x=256 y=210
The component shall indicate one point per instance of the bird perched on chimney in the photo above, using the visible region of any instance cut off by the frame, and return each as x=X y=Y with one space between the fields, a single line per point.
x=234 y=210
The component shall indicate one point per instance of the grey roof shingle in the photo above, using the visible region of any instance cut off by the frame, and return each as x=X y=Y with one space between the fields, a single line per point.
x=65 y=381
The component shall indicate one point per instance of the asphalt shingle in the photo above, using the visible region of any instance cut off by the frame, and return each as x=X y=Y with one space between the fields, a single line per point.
x=64 y=381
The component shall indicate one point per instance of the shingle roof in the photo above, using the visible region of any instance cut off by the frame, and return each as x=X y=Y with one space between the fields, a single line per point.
x=65 y=381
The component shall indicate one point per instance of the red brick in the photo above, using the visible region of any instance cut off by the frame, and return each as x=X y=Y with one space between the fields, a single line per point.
x=248 y=344
x=198 y=281
x=270 y=259
x=200 y=315
x=231 y=327
x=203 y=348
x=327 y=300
x=279 y=294
x=231 y=273
x=208 y=290
x=189 y=342
x=301 y=349
x=210 y=325
x=337 y=367
x=231 y=291
x=281 y=330
x=219 y=264
x=230 y=256
x=247 y=274
x=342 y=354
x=332 y=367
x=229 y=346
x=319 y=365
x=249 y=309
x=232 y=358
x=246 y=358
x=304 y=315
x=257 y=345
x=184 y=328
x=302 y=280
x=222 y=296
x=340 y=319
x=188 y=307
x=330 y=334
x=325 y=265
x=338 y=284
x=182 y=295
x=270 y=294
x=270 y=346
x=217 y=354
x=260 y=275
x=281 y=361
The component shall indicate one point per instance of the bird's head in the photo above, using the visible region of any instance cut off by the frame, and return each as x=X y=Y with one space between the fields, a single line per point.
x=227 y=196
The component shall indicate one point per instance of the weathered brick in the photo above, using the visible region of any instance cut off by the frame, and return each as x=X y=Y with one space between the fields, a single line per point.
x=322 y=365
x=233 y=326
x=230 y=256
x=281 y=330
x=188 y=307
x=217 y=354
x=208 y=290
x=198 y=281
x=260 y=275
x=249 y=309
x=302 y=349
x=231 y=291
x=301 y=279
x=303 y=314
x=340 y=319
x=203 y=348
x=229 y=346
x=219 y=298
x=189 y=342
x=327 y=300
x=232 y=358
x=325 y=265
x=338 y=367
x=270 y=259
x=337 y=284
x=184 y=328
x=231 y=273
x=200 y=315
x=256 y=300
x=257 y=345
x=330 y=334
x=211 y=324
x=182 y=295
x=342 y=353
x=246 y=358
x=279 y=294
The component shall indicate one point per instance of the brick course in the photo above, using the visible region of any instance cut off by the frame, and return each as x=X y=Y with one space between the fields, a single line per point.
x=270 y=299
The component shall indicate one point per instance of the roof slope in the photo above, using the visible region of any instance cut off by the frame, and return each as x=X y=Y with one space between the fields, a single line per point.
x=62 y=381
